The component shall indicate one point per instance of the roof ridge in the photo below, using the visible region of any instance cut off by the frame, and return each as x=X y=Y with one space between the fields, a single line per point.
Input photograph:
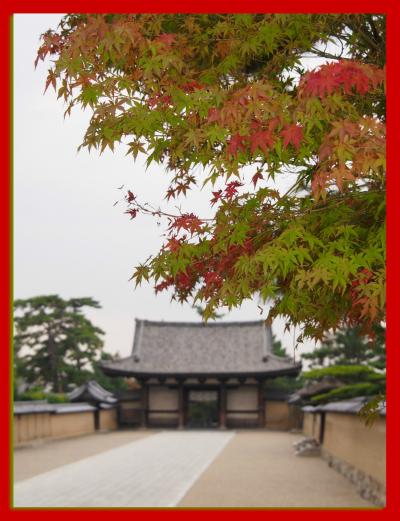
x=162 y=323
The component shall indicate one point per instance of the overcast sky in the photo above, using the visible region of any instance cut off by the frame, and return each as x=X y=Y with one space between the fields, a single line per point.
x=69 y=239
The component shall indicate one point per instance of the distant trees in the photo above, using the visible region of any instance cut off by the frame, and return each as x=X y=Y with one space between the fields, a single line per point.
x=353 y=364
x=350 y=347
x=282 y=384
x=54 y=342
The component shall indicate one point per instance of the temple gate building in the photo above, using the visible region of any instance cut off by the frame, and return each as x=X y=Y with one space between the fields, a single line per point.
x=193 y=374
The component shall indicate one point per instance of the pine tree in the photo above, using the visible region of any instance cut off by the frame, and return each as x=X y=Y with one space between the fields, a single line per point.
x=357 y=364
x=54 y=343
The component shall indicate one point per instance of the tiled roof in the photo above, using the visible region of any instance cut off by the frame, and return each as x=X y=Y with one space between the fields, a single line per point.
x=196 y=348
x=91 y=391
x=30 y=407
x=352 y=406
x=34 y=406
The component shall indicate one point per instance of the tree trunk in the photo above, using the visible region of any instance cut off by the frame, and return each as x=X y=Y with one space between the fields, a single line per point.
x=55 y=377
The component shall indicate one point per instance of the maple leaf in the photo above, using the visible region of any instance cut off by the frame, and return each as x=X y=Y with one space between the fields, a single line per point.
x=183 y=280
x=187 y=221
x=217 y=196
x=292 y=134
x=318 y=183
x=345 y=75
x=164 y=285
x=166 y=100
x=173 y=243
x=170 y=193
x=133 y=212
x=273 y=123
x=211 y=278
x=325 y=150
x=262 y=140
x=237 y=142
x=231 y=189
x=130 y=197
x=213 y=115
x=340 y=174
x=166 y=39
x=255 y=124
x=256 y=177
x=51 y=79
x=191 y=86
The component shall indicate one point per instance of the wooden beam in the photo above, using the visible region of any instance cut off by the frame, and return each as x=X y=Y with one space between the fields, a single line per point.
x=145 y=404
x=222 y=405
x=181 y=405
x=261 y=405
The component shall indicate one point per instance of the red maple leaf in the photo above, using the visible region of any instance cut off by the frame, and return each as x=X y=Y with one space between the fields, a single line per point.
x=173 y=244
x=212 y=278
x=130 y=197
x=183 y=280
x=217 y=196
x=255 y=124
x=292 y=134
x=132 y=212
x=170 y=193
x=256 y=177
x=166 y=39
x=187 y=221
x=213 y=115
x=345 y=74
x=262 y=140
x=231 y=189
x=236 y=143
x=164 y=285
x=191 y=86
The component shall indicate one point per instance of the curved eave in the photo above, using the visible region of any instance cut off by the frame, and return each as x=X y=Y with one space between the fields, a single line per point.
x=290 y=371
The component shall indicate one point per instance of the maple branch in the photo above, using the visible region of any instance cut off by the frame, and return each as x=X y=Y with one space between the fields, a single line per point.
x=324 y=54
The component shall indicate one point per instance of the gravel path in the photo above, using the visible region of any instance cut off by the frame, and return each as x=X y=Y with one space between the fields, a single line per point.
x=259 y=469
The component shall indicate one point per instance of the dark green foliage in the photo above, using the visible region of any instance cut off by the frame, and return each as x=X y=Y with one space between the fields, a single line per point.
x=283 y=384
x=357 y=363
x=116 y=383
x=54 y=343
x=343 y=372
x=278 y=349
x=348 y=391
x=37 y=394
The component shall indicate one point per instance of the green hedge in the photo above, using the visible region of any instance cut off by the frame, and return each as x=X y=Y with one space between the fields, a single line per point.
x=41 y=395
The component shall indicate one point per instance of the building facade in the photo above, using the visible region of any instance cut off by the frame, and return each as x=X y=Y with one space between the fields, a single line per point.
x=199 y=375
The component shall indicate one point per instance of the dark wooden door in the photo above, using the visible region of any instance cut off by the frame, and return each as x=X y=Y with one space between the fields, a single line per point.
x=202 y=409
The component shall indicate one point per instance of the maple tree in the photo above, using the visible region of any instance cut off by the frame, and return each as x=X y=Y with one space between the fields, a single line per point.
x=230 y=93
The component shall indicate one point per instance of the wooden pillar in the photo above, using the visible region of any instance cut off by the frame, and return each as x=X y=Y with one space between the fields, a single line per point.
x=222 y=405
x=181 y=405
x=97 y=419
x=145 y=404
x=261 y=404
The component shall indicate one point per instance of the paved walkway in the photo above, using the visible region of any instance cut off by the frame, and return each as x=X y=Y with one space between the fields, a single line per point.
x=42 y=456
x=155 y=471
x=186 y=469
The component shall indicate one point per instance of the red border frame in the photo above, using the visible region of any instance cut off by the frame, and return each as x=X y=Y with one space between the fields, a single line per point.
x=392 y=9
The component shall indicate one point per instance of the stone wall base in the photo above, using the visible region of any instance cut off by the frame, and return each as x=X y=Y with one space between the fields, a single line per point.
x=369 y=488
